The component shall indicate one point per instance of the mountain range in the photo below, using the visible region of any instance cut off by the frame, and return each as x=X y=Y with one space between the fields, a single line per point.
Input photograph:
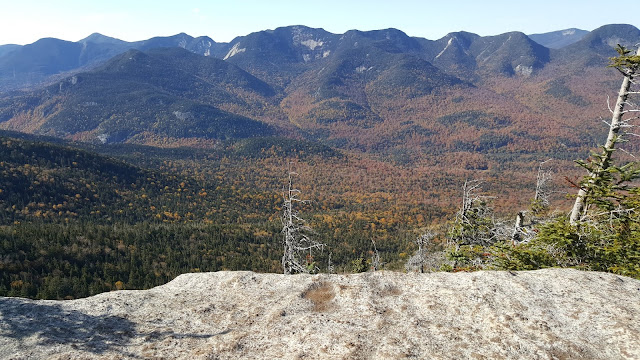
x=32 y=64
x=458 y=107
x=284 y=48
x=368 y=90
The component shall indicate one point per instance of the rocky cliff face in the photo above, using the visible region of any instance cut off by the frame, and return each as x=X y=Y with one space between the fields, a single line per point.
x=545 y=314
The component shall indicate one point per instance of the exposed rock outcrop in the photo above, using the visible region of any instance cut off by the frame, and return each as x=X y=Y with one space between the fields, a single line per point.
x=545 y=314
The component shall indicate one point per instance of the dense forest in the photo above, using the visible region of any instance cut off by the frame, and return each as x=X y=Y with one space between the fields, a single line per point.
x=76 y=223
x=80 y=219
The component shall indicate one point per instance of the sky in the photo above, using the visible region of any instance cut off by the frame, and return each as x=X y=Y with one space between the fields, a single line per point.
x=23 y=22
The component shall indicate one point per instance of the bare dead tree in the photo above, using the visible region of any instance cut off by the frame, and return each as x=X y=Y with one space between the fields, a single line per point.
x=297 y=244
x=621 y=116
x=419 y=260
x=518 y=228
x=330 y=266
x=543 y=189
x=474 y=223
x=539 y=206
x=376 y=264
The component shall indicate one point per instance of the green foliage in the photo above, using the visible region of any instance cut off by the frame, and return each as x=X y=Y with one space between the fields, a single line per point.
x=558 y=89
x=557 y=244
x=358 y=265
x=467 y=257
x=525 y=256
x=606 y=239
x=474 y=226
x=614 y=248
x=473 y=230
x=337 y=110
x=56 y=261
x=625 y=62
x=608 y=188
x=538 y=208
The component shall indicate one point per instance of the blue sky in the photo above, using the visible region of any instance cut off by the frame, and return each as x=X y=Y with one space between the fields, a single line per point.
x=23 y=22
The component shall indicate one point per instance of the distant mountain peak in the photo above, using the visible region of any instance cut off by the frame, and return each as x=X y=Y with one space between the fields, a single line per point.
x=595 y=48
x=613 y=34
x=464 y=34
x=559 y=39
x=101 y=39
x=93 y=36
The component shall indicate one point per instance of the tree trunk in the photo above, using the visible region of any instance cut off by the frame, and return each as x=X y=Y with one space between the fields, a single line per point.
x=515 y=237
x=614 y=128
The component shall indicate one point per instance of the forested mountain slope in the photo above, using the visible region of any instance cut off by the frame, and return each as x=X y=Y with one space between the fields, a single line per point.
x=364 y=91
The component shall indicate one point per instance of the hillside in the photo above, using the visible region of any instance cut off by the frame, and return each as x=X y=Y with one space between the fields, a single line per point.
x=594 y=48
x=544 y=314
x=75 y=222
x=41 y=181
x=144 y=95
x=357 y=90
x=45 y=182
x=380 y=91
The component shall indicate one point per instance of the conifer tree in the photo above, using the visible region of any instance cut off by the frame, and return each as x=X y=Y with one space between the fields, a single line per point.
x=629 y=66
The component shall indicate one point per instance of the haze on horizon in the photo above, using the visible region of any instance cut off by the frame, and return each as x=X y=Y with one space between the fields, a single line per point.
x=25 y=22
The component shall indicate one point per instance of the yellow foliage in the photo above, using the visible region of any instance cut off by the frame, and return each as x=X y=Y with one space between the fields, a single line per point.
x=119 y=285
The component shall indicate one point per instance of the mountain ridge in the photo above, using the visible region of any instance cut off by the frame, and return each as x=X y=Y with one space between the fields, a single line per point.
x=288 y=41
x=142 y=92
x=37 y=62
x=596 y=47
x=559 y=38
x=311 y=83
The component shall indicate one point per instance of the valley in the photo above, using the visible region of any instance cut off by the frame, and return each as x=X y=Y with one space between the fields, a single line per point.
x=131 y=163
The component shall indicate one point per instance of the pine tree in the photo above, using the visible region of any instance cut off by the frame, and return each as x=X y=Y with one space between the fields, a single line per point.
x=628 y=66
